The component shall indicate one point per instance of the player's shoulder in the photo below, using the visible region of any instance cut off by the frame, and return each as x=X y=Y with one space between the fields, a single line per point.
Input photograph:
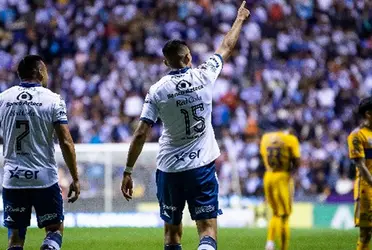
x=49 y=94
x=160 y=86
x=8 y=91
x=291 y=137
x=359 y=134
x=266 y=136
x=358 y=131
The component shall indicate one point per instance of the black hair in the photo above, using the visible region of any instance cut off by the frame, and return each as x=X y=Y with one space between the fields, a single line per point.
x=173 y=51
x=29 y=66
x=282 y=124
x=274 y=125
x=365 y=105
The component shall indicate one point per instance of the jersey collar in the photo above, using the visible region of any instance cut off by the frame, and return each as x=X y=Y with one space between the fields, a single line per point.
x=179 y=71
x=30 y=84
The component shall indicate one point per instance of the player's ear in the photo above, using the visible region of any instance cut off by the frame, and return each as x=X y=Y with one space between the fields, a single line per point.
x=187 y=59
x=166 y=63
x=368 y=114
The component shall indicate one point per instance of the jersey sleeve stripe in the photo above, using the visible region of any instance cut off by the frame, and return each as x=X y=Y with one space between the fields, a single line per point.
x=147 y=120
x=219 y=56
x=61 y=122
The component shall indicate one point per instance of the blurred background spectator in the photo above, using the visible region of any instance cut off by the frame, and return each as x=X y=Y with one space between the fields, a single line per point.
x=306 y=61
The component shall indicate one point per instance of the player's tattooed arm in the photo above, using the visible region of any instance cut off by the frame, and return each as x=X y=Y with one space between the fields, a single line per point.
x=229 y=41
x=135 y=149
x=360 y=163
x=68 y=151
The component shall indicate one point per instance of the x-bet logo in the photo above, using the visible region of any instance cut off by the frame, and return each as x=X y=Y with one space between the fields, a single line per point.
x=19 y=173
x=192 y=155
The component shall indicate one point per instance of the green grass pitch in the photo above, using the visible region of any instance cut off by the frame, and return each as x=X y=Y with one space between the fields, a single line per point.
x=152 y=238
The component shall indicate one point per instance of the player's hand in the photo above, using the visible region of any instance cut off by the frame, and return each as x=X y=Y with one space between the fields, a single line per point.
x=127 y=186
x=74 y=188
x=243 y=12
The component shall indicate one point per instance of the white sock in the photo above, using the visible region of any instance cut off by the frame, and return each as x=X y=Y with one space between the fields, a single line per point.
x=206 y=247
x=270 y=244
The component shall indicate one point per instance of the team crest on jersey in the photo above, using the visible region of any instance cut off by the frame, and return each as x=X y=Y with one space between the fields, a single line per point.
x=183 y=85
x=24 y=96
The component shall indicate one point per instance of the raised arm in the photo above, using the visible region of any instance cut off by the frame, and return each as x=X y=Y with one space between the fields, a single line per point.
x=230 y=39
x=68 y=151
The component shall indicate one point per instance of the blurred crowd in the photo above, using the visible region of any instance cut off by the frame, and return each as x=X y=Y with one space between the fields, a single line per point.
x=305 y=61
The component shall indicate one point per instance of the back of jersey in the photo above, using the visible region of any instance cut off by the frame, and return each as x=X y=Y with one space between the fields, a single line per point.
x=183 y=101
x=278 y=149
x=28 y=113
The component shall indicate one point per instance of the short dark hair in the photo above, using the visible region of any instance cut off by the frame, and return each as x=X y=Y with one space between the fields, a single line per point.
x=173 y=51
x=28 y=67
x=365 y=105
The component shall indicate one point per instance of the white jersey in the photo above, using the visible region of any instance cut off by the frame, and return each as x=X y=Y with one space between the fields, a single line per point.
x=183 y=102
x=28 y=113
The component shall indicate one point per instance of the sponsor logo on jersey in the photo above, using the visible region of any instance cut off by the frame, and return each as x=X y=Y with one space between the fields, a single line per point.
x=23 y=103
x=147 y=99
x=24 y=174
x=62 y=113
x=188 y=100
x=183 y=85
x=22 y=113
x=192 y=155
x=212 y=64
x=184 y=92
x=24 y=96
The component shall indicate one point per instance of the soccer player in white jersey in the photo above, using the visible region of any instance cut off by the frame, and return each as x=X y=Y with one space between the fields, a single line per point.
x=29 y=115
x=188 y=148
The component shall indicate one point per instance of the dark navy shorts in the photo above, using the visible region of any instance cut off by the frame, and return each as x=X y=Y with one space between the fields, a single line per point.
x=18 y=204
x=199 y=187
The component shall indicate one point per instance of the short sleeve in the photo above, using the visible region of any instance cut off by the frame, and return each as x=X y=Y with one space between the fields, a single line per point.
x=60 y=112
x=355 y=143
x=262 y=145
x=295 y=147
x=211 y=69
x=149 y=110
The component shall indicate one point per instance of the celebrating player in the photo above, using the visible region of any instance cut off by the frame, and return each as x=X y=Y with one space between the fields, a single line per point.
x=280 y=152
x=360 y=151
x=188 y=148
x=30 y=113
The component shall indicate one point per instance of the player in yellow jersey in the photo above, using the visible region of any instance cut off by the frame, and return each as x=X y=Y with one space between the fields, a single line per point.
x=280 y=151
x=360 y=151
